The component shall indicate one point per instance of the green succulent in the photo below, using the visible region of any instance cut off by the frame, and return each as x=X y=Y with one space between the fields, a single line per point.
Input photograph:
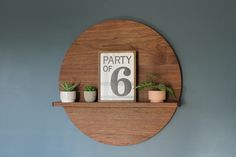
x=68 y=86
x=89 y=88
x=151 y=84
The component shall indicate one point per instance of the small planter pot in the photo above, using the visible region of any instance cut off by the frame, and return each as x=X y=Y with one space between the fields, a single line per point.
x=90 y=96
x=157 y=96
x=68 y=96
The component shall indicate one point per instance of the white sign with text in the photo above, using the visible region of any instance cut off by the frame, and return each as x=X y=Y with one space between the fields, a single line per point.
x=117 y=76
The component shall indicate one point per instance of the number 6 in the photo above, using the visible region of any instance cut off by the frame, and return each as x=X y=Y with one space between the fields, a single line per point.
x=115 y=82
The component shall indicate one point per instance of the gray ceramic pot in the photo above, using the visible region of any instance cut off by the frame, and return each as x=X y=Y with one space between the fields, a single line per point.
x=67 y=96
x=90 y=96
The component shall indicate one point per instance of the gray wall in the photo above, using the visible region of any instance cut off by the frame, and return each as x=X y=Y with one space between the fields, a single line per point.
x=34 y=36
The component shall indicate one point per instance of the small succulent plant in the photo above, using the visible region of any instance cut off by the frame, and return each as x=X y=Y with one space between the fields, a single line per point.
x=152 y=84
x=68 y=86
x=89 y=88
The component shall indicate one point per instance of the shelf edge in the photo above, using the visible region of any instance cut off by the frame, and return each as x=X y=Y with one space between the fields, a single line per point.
x=115 y=104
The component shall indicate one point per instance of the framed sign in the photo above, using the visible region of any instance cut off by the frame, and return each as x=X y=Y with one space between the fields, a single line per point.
x=117 y=72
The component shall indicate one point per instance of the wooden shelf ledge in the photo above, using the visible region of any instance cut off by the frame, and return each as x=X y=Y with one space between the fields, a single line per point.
x=116 y=104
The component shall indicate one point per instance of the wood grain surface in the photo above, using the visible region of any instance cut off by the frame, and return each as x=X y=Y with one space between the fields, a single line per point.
x=121 y=126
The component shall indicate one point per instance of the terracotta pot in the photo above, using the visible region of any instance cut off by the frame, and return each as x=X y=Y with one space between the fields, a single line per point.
x=156 y=96
x=90 y=96
x=67 y=96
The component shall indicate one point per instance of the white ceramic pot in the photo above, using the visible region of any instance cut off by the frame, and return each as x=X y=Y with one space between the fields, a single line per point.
x=68 y=96
x=90 y=96
x=157 y=96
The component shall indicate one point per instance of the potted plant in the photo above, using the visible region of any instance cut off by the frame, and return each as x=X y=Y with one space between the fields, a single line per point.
x=157 y=90
x=90 y=93
x=67 y=91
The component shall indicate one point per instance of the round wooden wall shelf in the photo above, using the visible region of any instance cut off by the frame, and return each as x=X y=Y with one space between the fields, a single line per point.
x=121 y=123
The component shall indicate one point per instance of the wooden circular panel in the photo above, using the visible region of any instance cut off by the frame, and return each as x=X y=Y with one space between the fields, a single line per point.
x=154 y=54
